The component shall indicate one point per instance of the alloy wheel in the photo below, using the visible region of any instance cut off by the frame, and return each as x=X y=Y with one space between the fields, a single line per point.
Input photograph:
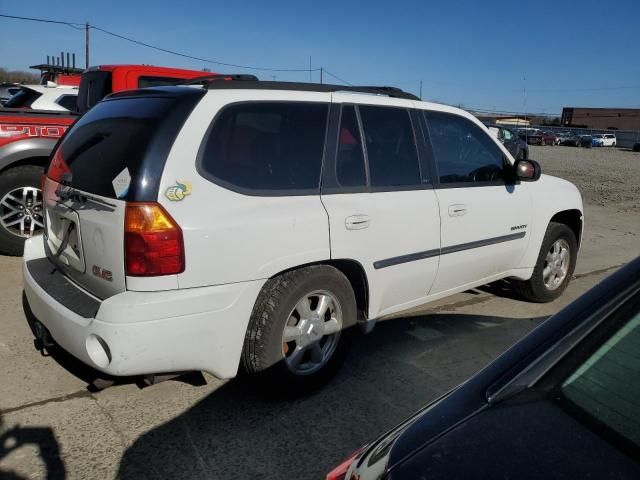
x=556 y=264
x=312 y=332
x=21 y=212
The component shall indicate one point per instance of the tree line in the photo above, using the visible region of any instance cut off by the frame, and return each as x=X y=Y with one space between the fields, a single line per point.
x=18 y=76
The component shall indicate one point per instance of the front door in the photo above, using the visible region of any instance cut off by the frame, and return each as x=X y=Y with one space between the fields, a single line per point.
x=484 y=217
x=382 y=210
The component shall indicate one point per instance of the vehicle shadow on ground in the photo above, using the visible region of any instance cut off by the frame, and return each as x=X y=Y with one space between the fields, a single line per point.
x=238 y=432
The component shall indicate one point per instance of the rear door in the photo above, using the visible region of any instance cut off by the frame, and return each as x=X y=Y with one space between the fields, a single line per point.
x=382 y=209
x=485 y=219
x=114 y=154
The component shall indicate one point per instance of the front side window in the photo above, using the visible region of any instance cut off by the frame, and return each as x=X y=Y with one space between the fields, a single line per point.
x=350 y=169
x=507 y=134
x=391 y=148
x=266 y=146
x=463 y=152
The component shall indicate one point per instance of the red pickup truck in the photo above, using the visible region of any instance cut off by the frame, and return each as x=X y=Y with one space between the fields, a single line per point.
x=28 y=136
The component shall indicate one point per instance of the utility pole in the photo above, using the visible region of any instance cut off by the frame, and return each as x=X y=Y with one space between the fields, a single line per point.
x=310 y=71
x=86 y=45
x=321 y=71
x=420 y=89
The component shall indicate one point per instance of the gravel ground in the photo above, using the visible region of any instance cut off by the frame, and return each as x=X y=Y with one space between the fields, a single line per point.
x=605 y=176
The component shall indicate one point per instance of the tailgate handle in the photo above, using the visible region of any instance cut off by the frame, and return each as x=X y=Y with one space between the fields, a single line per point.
x=65 y=240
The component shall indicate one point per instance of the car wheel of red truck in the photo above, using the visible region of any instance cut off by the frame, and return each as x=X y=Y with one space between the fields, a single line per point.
x=21 y=213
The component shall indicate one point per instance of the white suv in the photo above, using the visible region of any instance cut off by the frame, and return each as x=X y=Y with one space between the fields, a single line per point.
x=252 y=223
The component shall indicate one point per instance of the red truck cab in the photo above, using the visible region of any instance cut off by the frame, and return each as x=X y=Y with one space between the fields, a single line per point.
x=98 y=82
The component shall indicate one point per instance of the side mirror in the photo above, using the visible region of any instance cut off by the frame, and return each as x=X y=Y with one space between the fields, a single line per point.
x=527 y=170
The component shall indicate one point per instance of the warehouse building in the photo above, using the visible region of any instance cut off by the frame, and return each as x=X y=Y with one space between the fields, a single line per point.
x=602 y=118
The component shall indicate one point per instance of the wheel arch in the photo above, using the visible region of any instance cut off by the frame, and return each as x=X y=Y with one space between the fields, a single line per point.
x=31 y=151
x=355 y=273
x=572 y=219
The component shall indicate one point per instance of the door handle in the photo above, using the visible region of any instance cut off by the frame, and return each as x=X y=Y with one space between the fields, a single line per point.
x=457 y=210
x=356 y=222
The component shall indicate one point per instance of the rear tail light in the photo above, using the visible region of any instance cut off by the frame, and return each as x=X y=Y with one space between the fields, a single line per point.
x=152 y=241
x=58 y=169
x=340 y=472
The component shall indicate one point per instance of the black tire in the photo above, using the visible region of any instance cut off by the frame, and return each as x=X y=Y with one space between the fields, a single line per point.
x=263 y=353
x=535 y=289
x=16 y=177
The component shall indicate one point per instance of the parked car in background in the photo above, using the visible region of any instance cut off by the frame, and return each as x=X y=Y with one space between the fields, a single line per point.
x=255 y=224
x=51 y=97
x=585 y=141
x=28 y=134
x=549 y=138
x=568 y=139
x=517 y=147
x=597 y=140
x=532 y=136
x=568 y=390
x=609 y=140
x=8 y=90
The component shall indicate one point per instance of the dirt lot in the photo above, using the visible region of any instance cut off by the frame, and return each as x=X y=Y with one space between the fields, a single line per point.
x=51 y=423
x=606 y=176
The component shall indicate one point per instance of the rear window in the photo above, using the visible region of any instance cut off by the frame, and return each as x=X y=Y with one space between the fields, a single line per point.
x=94 y=86
x=266 y=147
x=125 y=137
x=144 y=82
x=23 y=98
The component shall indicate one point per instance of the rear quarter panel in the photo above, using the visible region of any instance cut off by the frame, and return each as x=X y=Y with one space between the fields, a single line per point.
x=229 y=236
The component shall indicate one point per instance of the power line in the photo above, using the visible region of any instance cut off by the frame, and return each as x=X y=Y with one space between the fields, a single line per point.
x=337 y=78
x=80 y=26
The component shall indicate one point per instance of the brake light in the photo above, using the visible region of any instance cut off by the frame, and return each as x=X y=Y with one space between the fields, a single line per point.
x=152 y=241
x=340 y=472
x=58 y=168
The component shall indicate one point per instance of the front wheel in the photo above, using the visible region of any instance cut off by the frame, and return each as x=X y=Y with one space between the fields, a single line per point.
x=21 y=214
x=554 y=267
x=299 y=329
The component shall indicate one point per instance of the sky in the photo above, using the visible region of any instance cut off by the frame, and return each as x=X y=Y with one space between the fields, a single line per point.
x=514 y=56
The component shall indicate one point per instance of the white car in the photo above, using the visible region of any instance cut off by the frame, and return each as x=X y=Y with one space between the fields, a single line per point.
x=50 y=97
x=254 y=223
x=604 y=139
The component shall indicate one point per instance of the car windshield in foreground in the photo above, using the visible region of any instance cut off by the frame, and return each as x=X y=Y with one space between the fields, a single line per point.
x=601 y=389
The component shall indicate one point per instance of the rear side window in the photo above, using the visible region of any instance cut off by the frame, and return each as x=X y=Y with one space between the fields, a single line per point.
x=391 y=148
x=266 y=147
x=464 y=152
x=350 y=170
x=70 y=102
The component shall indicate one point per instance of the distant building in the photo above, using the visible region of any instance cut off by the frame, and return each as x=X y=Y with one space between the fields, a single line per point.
x=503 y=119
x=602 y=118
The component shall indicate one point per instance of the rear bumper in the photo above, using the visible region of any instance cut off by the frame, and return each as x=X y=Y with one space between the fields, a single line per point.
x=136 y=333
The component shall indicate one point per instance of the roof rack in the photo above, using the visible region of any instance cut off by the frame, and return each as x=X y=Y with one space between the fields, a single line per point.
x=247 y=82
x=206 y=79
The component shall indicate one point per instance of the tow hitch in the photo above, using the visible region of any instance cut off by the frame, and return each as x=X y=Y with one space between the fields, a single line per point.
x=43 y=340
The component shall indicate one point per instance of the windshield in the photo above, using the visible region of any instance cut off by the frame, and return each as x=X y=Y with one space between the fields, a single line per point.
x=600 y=384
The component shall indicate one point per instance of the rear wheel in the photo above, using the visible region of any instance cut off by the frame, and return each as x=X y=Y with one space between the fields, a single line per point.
x=298 y=332
x=21 y=214
x=554 y=267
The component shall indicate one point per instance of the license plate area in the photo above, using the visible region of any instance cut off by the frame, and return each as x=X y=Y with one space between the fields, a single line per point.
x=61 y=221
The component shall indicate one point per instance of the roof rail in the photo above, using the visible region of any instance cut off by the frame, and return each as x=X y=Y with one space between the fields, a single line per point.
x=247 y=82
x=219 y=76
